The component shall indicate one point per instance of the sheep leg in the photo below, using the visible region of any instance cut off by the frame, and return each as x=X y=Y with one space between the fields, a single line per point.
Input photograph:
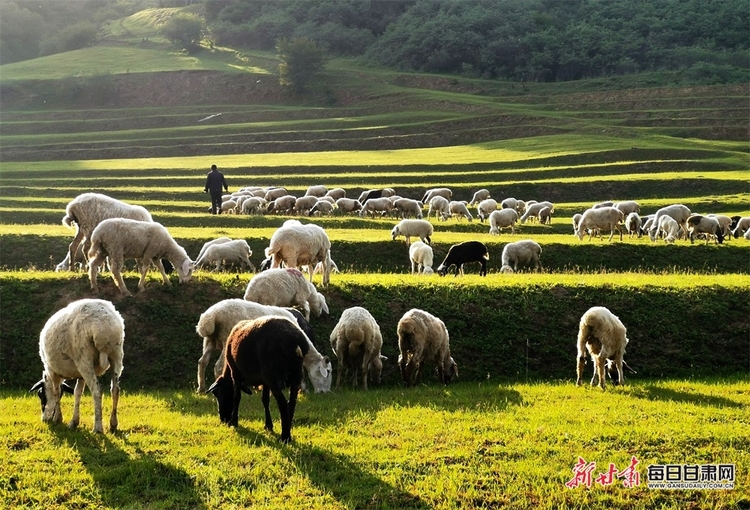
x=284 y=410
x=160 y=267
x=53 y=411
x=579 y=369
x=115 y=392
x=236 y=397
x=143 y=267
x=293 y=392
x=117 y=277
x=94 y=265
x=88 y=376
x=73 y=248
x=80 y=385
x=208 y=348
x=600 y=363
x=266 y=399
x=219 y=365
x=365 y=369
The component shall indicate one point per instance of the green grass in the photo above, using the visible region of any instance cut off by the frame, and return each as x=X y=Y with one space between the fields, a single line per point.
x=468 y=445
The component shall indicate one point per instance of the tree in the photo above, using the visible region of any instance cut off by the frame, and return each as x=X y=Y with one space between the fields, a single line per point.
x=301 y=61
x=184 y=30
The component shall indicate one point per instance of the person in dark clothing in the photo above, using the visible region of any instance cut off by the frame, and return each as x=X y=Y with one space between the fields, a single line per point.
x=214 y=182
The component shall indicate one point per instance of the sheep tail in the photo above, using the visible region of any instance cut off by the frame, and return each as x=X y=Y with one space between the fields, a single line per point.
x=96 y=247
x=67 y=221
x=486 y=256
x=206 y=326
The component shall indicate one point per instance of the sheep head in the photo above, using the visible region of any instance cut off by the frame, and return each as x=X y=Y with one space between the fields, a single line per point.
x=223 y=390
x=321 y=375
x=40 y=387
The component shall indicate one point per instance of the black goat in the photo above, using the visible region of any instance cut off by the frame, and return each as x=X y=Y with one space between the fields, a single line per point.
x=267 y=351
x=459 y=254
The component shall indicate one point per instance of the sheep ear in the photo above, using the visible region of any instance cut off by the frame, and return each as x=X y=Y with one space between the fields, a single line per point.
x=186 y=266
x=327 y=361
x=67 y=388
x=213 y=388
x=383 y=358
x=38 y=385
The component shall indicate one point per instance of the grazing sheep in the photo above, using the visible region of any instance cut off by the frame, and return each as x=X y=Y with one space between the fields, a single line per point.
x=322 y=207
x=485 y=208
x=459 y=209
x=217 y=322
x=120 y=239
x=440 y=206
x=229 y=207
x=460 y=254
x=413 y=228
x=374 y=206
x=275 y=193
x=743 y=226
x=303 y=205
x=348 y=205
x=253 y=205
x=421 y=257
x=669 y=227
x=509 y=203
x=482 y=194
x=264 y=352
x=283 y=204
x=423 y=338
x=233 y=251
x=296 y=245
x=316 y=191
x=408 y=208
x=286 y=287
x=218 y=240
x=627 y=207
x=725 y=222
x=608 y=203
x=596 y=220
x=545 y=216
x=576 y=221
x=521 y=254
x=633 y=224
x=532 y=211
x=81 y=342
x=435 y=192
x=678 y=212
x=604 y=336
x=356 y=341
x=87 y=211
x=370 y=194
x=336 y=193
x=503 y=218
x=698 y=224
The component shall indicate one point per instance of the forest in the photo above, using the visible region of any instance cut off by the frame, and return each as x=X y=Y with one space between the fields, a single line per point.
x=519 y=40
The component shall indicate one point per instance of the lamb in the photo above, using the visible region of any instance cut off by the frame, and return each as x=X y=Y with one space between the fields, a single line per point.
x=603 y=218
x=336 y=193
x=460 y=210
x=408 y=208
x=232 y=251
x=533 y=210
x=421 y=256
x=633 y=224
x=348 y=205
x=503 y=218
x=521 y=254
x=413 y=228
x=229 y=207
x=459 y=254
x=87 y=211
x=485 y=208
x=217 y=322
x=423 y=338
x=698 y=224
x=482 y=194
x=435 y=192
x=440 y=206
x=604 y=336
x=120 y=238
x=669 y=227
x=264 y=352
x=743 y=226
x=678 y=212
x=317 y=190
x=297 y=245
x=627 y=207
x=81 y=341
x=321 y=207
x=286 y=287
x=356 y=341
x=376 y=205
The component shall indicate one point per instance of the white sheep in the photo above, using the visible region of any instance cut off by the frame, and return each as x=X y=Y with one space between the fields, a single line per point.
x=509 y=203
x=336 y=193
x=296 y=245
x=482 y=194
x=725 y=223
x=233 y=251
x=217 y=322
x=627 y=207
x=707 y=225
x=520 y=254
x=413 y=228
x=576 y=219
x=253 y=205
x=408 y=208
x=743 y=226
x=532 y=211
x=545 y=216
x=608 y=203
x=503 y=218
x=283 y=204
x=317 y=190
x=218 y=240
x=421 y=257
x=669 y=228
x=321 y=208
x=275 y=193
x=435 y=192
x=678 y=212
x=633 y=224
x=81 y=342
x=602 y=218
x=459 y=209
x=147 y=242
x=485 y=208
x=423 y=338
x=604 y=336
x=348 y=205
x=356 y=341
x=440 y=206
x=303 y=205
x=376 y=206
x=229 y=206
x=286 y=287
x=86 y=211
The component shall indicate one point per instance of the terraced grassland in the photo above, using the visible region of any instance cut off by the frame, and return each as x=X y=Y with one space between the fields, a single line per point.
x=140 y=137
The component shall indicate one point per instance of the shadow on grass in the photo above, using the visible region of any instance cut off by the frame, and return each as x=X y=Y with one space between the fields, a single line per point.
x=123 y=480
x=338 y=475
x=652 y=392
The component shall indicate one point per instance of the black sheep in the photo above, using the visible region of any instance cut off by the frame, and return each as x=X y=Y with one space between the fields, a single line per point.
x=459 y=254
x=267 y=351
x=367 y=195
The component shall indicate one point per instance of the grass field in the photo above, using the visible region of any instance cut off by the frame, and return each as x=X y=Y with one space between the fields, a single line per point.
x=129 y=118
